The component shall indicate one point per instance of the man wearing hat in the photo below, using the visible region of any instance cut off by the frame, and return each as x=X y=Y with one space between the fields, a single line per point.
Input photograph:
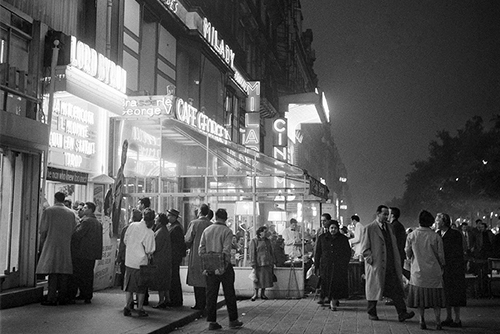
x=178 y=252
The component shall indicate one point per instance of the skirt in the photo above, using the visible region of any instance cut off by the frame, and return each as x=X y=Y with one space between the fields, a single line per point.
x=264 y=277
x=131 y=281
x=419 y=297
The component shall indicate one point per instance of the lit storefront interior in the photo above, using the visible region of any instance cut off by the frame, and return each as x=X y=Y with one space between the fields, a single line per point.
x=180 y=166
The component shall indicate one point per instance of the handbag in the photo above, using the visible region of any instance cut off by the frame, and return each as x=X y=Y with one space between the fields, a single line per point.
x=148 y=273
x=213 y=263
x=253 y=277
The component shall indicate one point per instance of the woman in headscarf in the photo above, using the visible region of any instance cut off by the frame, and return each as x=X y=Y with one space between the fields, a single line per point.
x=455 y=287
x=331 y=259
x=162 y=257
x=424 y=248
x=262 y=261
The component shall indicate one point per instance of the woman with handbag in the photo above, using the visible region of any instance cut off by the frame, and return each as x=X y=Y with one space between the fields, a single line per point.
x=262 y=262
x=140 y=245
x=162 y=258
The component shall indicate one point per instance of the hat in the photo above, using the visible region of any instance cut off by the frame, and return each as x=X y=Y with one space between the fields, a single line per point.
x=174 y=212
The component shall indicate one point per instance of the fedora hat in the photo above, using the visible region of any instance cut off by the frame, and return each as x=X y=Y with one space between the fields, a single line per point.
x=174 y=212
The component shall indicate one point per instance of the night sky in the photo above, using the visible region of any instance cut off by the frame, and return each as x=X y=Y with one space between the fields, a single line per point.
x=396 y=72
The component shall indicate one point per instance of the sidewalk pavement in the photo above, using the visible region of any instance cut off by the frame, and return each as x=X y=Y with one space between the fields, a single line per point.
x=290 y=316
x=306 y=316
x=103 y=315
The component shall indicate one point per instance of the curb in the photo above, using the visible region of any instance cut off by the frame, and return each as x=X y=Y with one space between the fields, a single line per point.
x=168 y=328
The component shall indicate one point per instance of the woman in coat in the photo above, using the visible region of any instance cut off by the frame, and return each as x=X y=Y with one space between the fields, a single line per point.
x=455 y=287
x=332 y=256
x=162 y=257
x=139 y=246
x=424 y=248
x=262 y=261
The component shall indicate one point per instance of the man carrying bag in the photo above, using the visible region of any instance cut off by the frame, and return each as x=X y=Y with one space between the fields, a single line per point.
x=215 y=253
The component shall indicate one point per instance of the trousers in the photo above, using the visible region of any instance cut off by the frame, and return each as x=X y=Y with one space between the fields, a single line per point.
x=213 y=284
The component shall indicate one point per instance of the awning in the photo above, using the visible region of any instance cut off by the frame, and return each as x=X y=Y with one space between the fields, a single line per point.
x=241 y=160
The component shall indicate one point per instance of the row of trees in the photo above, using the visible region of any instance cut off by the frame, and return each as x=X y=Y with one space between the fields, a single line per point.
x=462 y=174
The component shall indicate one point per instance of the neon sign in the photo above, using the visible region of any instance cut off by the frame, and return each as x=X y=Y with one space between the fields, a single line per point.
x=154 y=105
x=96 y=65
x=190 y=115
x=212 y=37
x=72 y=132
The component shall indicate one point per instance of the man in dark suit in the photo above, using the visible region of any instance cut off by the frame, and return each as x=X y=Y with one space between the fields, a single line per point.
x=178 y=253
x=400 y=233
x=86 y=247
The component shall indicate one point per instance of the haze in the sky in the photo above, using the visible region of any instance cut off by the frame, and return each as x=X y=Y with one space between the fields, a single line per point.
x=396 y=72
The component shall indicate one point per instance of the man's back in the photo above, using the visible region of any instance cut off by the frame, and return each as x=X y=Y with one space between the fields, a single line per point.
x=56 y=228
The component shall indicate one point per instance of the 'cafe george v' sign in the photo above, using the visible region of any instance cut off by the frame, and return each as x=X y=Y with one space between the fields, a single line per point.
x=169 y=105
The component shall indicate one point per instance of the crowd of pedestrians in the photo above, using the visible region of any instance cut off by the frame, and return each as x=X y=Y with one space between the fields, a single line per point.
x=70 y=242
x=416 y=268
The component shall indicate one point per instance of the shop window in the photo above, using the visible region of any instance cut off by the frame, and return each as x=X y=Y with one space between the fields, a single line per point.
x=131 y=15
x=212 y=91
x=11 y=170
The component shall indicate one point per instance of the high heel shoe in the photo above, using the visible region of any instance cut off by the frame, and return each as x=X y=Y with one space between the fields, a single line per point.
x=253 y=298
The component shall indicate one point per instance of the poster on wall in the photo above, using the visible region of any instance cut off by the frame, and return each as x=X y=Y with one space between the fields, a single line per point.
x=104 y=270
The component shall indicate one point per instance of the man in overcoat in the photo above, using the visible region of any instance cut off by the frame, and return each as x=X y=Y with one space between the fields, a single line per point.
x=178 y=253
x=195 y=278
x=56 y=228
x=86 y=247
x=383 y=266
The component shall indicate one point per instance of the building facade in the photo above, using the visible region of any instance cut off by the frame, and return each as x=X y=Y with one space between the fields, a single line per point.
x=173 y=100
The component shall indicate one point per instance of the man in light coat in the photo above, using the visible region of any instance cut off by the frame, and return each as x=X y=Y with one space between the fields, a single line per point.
x=56 y=228
x=195 y=278
x=383 y=265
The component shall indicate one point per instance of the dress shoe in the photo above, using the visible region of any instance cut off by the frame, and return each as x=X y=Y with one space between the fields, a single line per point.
x=456 y=324
x=127 y=312
x=264 y=297
x=254 y=297
x=214 y=326
x=447 y=322
x=373 y=317
x=321 y=302
x=405 y=316
x=142 y=314
x=235 y=324
x=161 y=305
x=48 y=303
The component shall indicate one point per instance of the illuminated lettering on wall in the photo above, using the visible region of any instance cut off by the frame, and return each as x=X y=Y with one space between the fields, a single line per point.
x=154 y=105
x=188 y=114
x=253 y=99
x=72 y=133
x=212 y=37
x=148 y=145
x=95 y=64
x=251 y=138
x=170 y=4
